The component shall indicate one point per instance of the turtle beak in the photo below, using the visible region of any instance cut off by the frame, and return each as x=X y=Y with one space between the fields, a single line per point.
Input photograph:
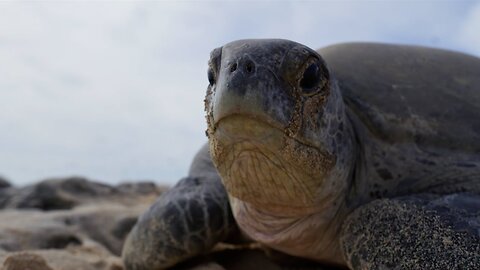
x=249 y=89
x=238 y=90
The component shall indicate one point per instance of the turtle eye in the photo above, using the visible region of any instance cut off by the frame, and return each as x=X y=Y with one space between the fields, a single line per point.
x=211 y=76
x=310 y=79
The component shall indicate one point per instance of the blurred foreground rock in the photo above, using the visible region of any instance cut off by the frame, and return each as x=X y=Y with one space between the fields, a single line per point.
x=70 y=223
x=75 y=223
x=4 y=183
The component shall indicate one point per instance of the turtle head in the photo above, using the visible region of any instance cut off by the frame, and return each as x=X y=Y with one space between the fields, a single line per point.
x=276 y=124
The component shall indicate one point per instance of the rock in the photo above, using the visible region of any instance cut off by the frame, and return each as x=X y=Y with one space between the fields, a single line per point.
x=5 y=186
x=33 y=230
x=80 y=258
x=67 y=193
x=108 y=224
x=45 y=196
x=25 y=260
x=137 y=187
x=4 y=183
x=54 y=194
x=69 y=223
x=5 y=196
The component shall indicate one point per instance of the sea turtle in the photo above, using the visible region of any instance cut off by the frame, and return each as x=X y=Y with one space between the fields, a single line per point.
x=359 y=155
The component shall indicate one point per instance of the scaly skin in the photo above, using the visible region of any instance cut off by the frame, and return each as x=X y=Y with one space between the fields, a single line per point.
x=323 y=169
x=186 y=221
x=296 y=161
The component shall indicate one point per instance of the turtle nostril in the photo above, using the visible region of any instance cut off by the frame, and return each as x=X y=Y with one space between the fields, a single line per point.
x=233 y=67
x=249 y=66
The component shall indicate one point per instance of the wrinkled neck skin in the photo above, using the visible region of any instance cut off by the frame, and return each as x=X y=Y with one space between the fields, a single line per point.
x=314 y=237
x=288 y=191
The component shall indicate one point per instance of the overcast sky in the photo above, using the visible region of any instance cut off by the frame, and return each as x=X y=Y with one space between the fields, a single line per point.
x=114 y=90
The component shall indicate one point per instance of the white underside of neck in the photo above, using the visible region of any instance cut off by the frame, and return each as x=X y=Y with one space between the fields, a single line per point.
x=313 y=236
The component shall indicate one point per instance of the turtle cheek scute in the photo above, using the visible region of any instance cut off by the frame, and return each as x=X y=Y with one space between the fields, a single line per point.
x=325 y=125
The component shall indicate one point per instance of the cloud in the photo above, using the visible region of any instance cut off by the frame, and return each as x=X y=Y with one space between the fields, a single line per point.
x=114 y=90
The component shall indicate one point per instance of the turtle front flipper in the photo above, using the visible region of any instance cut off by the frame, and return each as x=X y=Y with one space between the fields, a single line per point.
x=414 y=232
x=185 y=221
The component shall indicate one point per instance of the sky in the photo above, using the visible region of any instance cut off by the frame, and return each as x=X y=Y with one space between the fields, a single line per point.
x=114 y=91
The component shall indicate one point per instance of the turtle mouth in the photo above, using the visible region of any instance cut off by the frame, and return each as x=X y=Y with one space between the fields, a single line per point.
x=245 y=127
x=262 y=127
x=260 y=164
